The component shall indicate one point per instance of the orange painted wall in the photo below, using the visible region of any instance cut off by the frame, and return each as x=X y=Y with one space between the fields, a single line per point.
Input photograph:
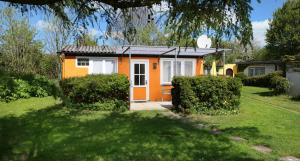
x=69 y=68
x=155 y=88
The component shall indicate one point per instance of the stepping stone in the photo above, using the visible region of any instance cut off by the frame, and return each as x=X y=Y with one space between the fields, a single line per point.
x=237 y=138
x=262 y=149
x=199 y=126
x=289 y=158
x=216 y=132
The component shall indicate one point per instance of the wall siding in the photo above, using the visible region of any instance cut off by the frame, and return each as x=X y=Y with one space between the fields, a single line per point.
x=69 y=69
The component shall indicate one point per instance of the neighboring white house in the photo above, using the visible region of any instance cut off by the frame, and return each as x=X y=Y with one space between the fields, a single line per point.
x=293 y=75
x=256 y=68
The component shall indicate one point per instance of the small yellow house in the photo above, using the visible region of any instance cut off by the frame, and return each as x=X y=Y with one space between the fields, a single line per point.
x=230 y=70
x=150 y=69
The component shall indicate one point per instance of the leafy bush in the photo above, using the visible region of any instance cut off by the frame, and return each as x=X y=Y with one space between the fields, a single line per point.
x=274 y=81
x=241 y=76
x=95 y=90
x=260 y=81
x=13 y=87
x=279 y=85
x=205 y=94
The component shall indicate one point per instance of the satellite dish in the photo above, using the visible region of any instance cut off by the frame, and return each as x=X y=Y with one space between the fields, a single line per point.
x=203 y=42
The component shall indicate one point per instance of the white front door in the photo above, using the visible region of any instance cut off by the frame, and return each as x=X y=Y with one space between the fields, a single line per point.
x=139 y=80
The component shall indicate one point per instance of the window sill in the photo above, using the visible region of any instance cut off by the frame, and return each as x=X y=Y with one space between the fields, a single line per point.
x=166 y=84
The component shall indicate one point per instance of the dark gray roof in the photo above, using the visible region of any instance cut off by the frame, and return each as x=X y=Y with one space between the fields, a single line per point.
x=139 y=50
x=158 y=50
x=88 y=49
x=258 y=62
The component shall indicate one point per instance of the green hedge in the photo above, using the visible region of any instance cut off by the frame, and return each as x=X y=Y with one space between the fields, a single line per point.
x=93 y=91
x=209 y=95
x=274 y=81
x=13 y=86
x=260 y=81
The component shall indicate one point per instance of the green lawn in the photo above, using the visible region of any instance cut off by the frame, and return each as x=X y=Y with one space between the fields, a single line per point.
x=41 y=129
x=273 y=121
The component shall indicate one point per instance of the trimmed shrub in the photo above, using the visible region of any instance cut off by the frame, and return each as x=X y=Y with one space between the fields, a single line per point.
x=279 y=85
x=210 y=95
x=13 y=87
x=260 y=81
x=274 y=81
x=241 y=76
x=93 y=90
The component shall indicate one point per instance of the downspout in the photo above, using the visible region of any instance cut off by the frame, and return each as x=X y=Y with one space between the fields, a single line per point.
x=224 y=62
x=130 y=81
x=175 y=71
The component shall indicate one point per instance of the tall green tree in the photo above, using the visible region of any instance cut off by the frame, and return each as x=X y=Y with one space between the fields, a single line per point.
x=20 y=52
x=150 y=35
x=283 y=36
x=186 y=19
x=86 y=40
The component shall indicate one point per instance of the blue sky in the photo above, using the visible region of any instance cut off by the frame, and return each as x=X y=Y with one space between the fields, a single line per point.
x=265 y=9
x=260 y=16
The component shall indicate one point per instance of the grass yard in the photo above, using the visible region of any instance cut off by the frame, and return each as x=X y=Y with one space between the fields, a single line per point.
x=41 y=129
x=268 y=120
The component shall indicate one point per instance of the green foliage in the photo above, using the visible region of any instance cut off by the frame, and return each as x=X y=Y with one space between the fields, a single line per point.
x=150 y=35
x=210 y=95
x=274 y=81
x=186 y=19
x=96 y=90
x=86 y=40
x=260 y=81
x=49 y=66
x=20 y=52
x=241 y=76
x=280 y=85
x=13 y=87
x=283 y=37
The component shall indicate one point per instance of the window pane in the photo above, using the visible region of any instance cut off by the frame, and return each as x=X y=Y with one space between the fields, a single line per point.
x=136 y=80
x=259 y=71
x=166 y=71
x=136 y=68
x=97 y=67
x=142 y=68
x=142 y=80
x=110 y=66
x=251 y=72
x=177 y=68
x=83 y=62
x=188 y=68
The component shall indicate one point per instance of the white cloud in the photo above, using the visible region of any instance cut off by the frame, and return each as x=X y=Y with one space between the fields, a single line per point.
x=162 y=7
x=46 y=26
x=93 y=32
x=259 y=31
x=42 y=25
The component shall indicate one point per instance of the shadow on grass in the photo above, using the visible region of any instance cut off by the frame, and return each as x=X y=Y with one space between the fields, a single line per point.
x=297 y=99
x=56 y=134
x=266 y=94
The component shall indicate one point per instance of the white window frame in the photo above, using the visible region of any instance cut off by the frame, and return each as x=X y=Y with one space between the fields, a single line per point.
x=91 y=61
x=182 y=60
